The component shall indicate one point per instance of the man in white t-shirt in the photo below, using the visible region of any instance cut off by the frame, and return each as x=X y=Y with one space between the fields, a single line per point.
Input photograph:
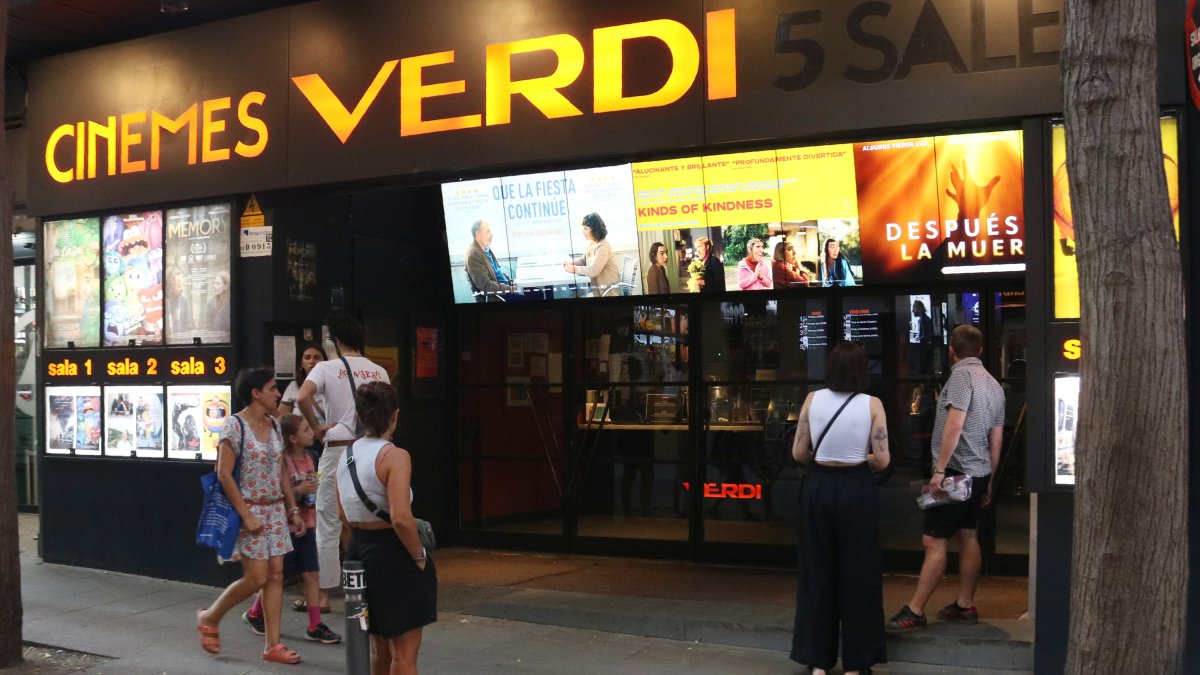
x=329 y=380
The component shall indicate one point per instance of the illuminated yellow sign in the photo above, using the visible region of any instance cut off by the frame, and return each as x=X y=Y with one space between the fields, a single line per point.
x=1072 y=349
x=118 y=145
x=138 y=366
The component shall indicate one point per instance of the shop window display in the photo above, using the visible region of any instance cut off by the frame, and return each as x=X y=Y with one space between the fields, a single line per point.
x=632 y=463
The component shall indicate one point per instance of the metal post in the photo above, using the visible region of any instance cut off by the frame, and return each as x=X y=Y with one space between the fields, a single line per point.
x=358 y=644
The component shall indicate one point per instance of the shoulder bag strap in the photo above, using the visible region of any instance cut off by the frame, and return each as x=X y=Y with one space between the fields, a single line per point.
x=362 y=494
x=237 y=463
x=357 y=430
x=831 y=421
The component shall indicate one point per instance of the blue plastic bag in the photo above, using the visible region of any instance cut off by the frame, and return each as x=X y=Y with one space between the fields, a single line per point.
x=219 y=521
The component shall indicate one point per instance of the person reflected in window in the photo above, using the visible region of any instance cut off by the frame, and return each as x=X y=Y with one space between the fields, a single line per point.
x=597 y=262
x=836 y=270
x=785 y=269
x=753 y=271
x=488 y=279
x=842 y=433
x=656 y=278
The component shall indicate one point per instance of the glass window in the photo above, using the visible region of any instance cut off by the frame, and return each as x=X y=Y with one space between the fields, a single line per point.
x=25 y=338
x=768 y=339
x=632 y=447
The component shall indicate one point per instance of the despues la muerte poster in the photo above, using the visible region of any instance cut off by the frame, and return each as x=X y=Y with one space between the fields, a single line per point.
x=937 y=206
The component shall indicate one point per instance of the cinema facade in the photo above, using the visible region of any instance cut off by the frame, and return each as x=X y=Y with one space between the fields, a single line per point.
x=206 y=196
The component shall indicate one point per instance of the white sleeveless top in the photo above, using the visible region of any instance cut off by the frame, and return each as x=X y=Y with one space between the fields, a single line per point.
x=366 y=452
x=849 y=438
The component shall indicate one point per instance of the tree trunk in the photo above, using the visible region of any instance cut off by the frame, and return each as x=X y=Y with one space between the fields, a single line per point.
x=10 y=564
x=1129 y=570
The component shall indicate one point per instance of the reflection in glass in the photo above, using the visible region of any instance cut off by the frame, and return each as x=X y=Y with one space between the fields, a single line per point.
x=761 y=340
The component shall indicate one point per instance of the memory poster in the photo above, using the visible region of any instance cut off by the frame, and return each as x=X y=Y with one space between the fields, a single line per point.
x=196 y=274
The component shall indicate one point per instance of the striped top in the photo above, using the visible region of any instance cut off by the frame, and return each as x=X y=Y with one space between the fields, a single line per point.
x=973 y=390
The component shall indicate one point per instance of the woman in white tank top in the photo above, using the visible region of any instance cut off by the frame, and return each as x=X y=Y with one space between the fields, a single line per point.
x=839 y=587
x=400 y=576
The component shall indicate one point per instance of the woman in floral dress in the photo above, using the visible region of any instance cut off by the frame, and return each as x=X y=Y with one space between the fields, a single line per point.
x=263 y=498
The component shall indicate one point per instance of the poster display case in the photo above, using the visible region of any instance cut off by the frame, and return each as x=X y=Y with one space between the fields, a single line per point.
x=72 y=274
x=133 y=270
x=73 y=424
x=195 y=416
x=196 y=272
x=133 y=422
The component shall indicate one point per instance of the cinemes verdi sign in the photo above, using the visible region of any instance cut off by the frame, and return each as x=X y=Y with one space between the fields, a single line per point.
x=320 y=93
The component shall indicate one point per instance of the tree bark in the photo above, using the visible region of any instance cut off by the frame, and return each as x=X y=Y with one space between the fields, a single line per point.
x=1129 y=570
x=10 y=564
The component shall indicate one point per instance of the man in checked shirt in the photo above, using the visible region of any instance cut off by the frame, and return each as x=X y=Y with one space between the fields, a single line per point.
x=967 y=436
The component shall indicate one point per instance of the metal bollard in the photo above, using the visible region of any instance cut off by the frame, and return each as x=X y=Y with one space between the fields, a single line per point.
x=358 y=643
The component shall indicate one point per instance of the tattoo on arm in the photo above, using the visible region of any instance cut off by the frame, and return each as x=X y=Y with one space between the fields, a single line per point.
x=879 y=439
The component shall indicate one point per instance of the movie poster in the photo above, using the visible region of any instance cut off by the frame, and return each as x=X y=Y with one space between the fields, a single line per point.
x=541 y=237
x=301 y=269
x=196 y=274
x=133 y=423
x=60 y=420
x=466 y=203
x=982 y=202
x=669 y=203
x=133 y=270
x=897 y=209
x=73 y=282
x=1066 y=421
x=607 y=191
x=932 y=207
x=195 y=416
x=1066 y=270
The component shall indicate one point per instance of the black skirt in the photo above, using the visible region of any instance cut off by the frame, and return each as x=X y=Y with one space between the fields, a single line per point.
x=400 y=596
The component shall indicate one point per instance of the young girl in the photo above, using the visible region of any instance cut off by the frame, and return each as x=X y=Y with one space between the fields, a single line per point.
x=301 y=470
x=264 y=500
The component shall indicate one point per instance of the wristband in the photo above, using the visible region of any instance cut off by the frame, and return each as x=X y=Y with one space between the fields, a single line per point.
x=937 y=472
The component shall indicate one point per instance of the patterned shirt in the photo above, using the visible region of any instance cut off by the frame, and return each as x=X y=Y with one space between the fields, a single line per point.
x=973 y=390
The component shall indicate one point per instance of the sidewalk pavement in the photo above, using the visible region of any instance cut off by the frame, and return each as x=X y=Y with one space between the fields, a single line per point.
x=504 y=612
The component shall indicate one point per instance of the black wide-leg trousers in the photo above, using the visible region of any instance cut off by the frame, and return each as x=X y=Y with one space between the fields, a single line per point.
x=839 y=587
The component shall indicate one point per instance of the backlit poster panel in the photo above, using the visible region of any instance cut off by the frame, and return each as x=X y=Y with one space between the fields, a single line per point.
x=816 y=185
x=466 y=203
x=669 y=198
x=196 y=274
x=897 y=209
x=73 y=282
x=607 y=191
x=981 y=188
x=1066 y=422
x=133 y=270
x=73 y=420
x=133 y=422
x=195 y=416
x=1062 y=245
x=541 y=237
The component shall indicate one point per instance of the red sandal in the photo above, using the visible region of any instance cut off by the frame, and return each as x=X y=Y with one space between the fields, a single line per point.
x=210 y=636
x=280 y=653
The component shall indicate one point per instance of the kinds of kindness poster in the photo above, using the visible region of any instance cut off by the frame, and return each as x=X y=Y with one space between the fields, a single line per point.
x=1066 y=269
x=195 y=416
x=196 y=274
x=133 y=269
x=73 y=281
